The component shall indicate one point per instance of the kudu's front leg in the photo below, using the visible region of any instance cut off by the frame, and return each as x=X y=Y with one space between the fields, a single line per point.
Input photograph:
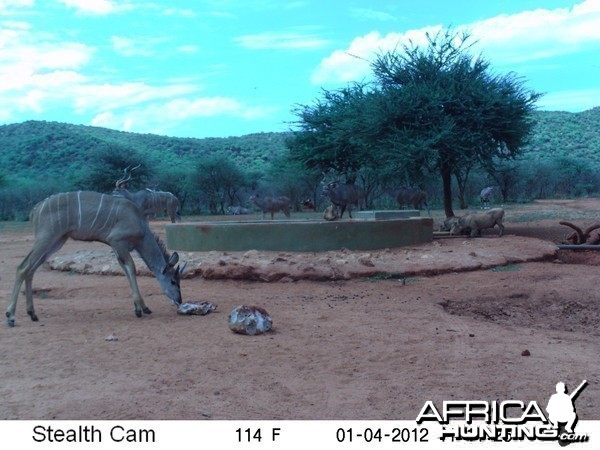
x=29 y=298
x=126 y=262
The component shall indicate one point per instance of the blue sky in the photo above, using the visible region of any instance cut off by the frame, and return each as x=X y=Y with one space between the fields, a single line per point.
x=215 y=68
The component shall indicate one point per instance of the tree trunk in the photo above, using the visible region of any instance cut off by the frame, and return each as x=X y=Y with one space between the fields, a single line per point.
x=461 y=182
x=446 y=173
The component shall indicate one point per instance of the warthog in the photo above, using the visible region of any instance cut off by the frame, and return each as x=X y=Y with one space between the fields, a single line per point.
x=343 y=195
x=237 y=210
x=414 y=197
x=308 y=205
x=476 y=222
x=331 y=213
x=272 y=204
x=448 y=223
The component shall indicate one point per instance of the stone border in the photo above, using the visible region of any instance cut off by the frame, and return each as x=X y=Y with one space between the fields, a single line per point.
x=437 y=257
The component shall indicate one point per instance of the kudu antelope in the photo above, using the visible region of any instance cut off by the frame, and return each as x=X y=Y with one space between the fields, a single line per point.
x=272 y=205
x=409 y=196
x=484 y=197
x=149 y=200
x=91 y=216
x=343 y=195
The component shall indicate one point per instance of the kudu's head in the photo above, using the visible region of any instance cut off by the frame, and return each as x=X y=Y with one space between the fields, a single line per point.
x=170 y=277
x=123 y=182
x=327 y=188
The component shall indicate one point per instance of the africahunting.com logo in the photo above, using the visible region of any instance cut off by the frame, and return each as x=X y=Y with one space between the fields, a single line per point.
x=510 y=420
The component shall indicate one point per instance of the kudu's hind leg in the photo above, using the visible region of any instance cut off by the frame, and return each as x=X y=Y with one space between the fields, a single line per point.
x=128 y=266
x=10 y=311
x=42 y=249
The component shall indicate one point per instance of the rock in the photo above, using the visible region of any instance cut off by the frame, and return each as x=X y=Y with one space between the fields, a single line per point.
x=525 y=353
x=251 y=254
x=250 y=320
x=366 y=260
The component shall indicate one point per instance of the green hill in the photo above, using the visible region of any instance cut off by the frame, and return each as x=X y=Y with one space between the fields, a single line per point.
x=39 y=149
x=559 y=134
x=38 y=158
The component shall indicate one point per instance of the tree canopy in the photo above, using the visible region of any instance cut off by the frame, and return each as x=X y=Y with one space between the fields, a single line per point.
x=431 y=109
x=219 y=181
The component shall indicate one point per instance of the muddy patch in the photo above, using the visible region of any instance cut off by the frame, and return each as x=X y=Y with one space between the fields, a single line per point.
x=545 y=309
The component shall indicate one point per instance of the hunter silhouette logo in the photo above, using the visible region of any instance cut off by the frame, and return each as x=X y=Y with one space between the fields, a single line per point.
x=561 y=411
x=478 y=420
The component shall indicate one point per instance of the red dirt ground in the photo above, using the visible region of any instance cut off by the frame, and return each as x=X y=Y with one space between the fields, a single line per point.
x=368 y=335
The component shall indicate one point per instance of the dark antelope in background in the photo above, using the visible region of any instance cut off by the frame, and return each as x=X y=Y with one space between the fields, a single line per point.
x=343 y=195
x=148 y=200
x=91 y=216
x=272 y=204
x=408 y=196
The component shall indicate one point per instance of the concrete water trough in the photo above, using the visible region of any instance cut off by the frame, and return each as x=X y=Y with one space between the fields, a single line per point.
x=298 y=235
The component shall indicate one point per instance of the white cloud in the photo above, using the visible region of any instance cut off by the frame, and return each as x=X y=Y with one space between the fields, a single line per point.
x=179 y=12
x=571 y=100
x=353 y=64
x=5 y=4
x=101 y=97
x=30 y=62
x=503 y=39
x=96 y=7
x=281 y=40
x=39 y=73
x=135 y=47
x=540 y=33
x=109 y=120
x=159 y=117
x=204 y=107
x=188 y=48
x=32 y=101
x=124 y=46
x=295 y=5
x=371 y=14
x=223 y=15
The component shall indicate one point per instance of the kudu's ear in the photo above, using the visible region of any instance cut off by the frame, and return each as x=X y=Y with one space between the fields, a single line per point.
x=174 y=259
x=171 y=263
x=181 y=268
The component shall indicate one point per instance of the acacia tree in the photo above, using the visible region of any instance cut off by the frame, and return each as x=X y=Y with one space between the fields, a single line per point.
x=432 y=109
x=292 y=179
x=108 y=165
x=446 y=110
x=219 y=181
x=335 y=133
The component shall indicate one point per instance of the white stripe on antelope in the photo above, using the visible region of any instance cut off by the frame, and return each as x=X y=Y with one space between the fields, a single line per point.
x=91 y=216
